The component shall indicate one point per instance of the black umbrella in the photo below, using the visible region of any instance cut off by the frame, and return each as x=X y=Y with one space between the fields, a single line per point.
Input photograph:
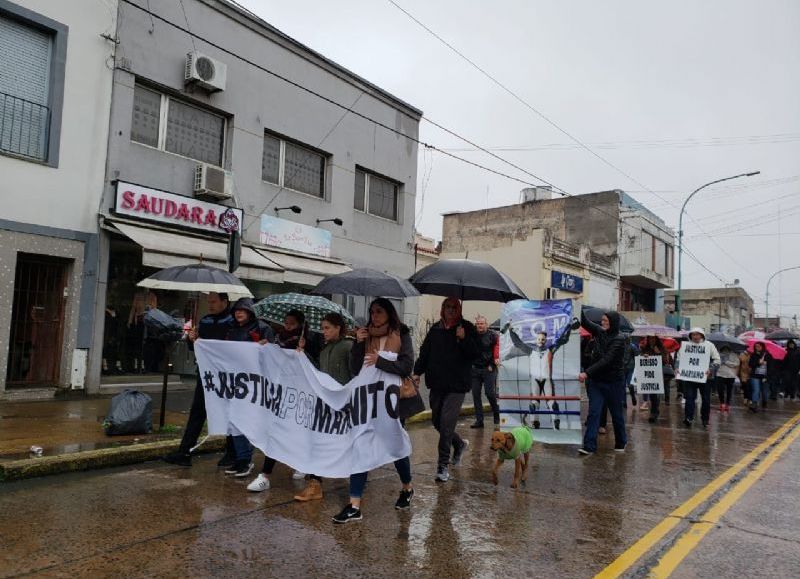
x=197 y=277
x=594 y=314
x=466 y=279
x=719 y=339
x=366 y=282
x=782 y=335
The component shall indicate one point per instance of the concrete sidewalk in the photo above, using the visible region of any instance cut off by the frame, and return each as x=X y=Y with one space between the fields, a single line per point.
x=70 y=432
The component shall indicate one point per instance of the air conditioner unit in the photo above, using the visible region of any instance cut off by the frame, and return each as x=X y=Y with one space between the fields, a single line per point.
x=550 y=293
x=212 y=181
x=205 y=72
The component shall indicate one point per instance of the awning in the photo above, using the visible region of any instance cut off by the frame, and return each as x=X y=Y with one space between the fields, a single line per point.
x=162 y=249
x=301 y=269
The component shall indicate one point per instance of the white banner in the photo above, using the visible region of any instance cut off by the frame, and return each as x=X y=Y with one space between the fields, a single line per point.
x=298 y=415
x=648 y=375
x=693 y=362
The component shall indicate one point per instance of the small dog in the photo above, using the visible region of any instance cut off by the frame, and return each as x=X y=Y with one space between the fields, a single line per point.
x=514 y=445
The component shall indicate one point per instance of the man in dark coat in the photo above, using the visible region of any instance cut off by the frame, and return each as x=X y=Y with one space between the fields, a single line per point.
x=445 y=358
x=605 y=381
x=213 y=326
x=484 y=372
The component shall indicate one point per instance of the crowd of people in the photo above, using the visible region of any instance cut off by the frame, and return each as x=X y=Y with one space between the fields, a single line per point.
x=608 y=361
x=450 y=359
x=457 y=357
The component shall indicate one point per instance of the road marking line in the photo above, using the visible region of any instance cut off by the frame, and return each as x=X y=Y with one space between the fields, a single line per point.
x=657 y=533
x=686 y=544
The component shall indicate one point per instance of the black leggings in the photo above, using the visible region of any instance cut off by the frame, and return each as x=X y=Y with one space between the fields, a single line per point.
x=725 y=389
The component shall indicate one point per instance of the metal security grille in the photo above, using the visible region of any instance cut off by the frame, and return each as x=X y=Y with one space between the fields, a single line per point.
x=25 y=59
x=37 y=321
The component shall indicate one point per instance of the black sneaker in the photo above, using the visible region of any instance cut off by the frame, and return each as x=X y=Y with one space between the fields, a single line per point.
x=404 y=500
x=349 y=513
x=226 y=460
x=459 y=452
x=240 y=468
x=687 y=422
x=477 y=425
x=179 y=458
x=442 y=475
x=652 y=419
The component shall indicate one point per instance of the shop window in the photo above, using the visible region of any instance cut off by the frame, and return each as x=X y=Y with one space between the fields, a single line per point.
x=293 y=166
x=32 y=65
x=375 y=195
x=165 y=123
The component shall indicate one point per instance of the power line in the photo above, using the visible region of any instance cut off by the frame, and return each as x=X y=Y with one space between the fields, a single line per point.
x=522 y=101
x=328 y=99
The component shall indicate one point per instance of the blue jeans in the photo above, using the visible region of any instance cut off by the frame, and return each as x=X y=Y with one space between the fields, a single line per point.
x=359 y=480
x=690 y=394
x=242 y=448
x=611 y=394
x=760 y=389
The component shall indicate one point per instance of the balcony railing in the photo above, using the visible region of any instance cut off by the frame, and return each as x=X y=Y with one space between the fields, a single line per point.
x=24 y=127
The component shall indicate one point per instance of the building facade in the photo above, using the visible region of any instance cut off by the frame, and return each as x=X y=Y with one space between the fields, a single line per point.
x=55 y=93
x=597 y=248
x=216 y=112
x=727 y=309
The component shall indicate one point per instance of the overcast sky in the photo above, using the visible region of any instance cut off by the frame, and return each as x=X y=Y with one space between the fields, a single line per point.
x=671 y=94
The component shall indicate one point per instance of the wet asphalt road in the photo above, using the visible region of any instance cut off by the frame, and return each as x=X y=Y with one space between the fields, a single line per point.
x=574 y=517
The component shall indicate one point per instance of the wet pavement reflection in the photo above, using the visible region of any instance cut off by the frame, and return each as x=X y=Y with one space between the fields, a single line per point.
x=572 y=518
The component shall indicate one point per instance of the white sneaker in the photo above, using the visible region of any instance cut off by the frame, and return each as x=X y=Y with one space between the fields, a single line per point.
x=297 y=475
x=259 y=484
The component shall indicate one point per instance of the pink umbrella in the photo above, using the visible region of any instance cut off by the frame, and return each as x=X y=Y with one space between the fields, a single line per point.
x=774 y=349
x=751 y=335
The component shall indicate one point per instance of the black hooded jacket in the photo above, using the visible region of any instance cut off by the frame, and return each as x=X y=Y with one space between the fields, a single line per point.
x=609 y=365
x=253 y=330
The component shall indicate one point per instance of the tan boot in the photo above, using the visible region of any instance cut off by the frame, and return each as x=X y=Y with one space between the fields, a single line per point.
x=312 y=492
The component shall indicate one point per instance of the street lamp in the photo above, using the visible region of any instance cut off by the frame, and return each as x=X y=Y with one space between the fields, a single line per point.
x=766 y=298
x=293 y=209
x=680 y=237
x=335 y=220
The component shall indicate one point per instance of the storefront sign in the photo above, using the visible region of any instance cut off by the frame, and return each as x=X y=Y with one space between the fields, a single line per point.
x=295 y=236
x=566 y=282
x=154 y=205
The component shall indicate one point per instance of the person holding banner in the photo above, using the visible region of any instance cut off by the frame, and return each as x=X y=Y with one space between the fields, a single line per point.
x=246 y=327
x=759 y=387
x=212 y=326
x=384 y=333
x=698 y=359
x=445 y=358
x=334 y=360
x=605 y=381
x=292 y=336
x=655 y=347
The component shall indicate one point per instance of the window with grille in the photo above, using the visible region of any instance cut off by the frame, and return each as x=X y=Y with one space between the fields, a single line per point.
x=25 y=70
x=165 y=123
x=375 y=195
x=293 y=166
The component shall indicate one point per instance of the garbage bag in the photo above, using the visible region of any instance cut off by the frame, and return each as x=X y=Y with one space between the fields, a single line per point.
x=161 y=326
x=131 y=412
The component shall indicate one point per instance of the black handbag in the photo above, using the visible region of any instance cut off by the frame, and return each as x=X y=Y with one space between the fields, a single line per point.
x=408 y=407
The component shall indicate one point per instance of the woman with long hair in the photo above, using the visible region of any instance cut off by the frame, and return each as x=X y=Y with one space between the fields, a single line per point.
x=334 y=359
x=384 y=333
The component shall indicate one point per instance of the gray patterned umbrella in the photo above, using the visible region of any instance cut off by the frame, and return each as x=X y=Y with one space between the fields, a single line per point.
x=275 y=307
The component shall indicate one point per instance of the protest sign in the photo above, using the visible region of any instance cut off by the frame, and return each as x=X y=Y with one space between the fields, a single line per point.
x=538 y=376
x=298 y=415
x=648 y=375
x=693 y=362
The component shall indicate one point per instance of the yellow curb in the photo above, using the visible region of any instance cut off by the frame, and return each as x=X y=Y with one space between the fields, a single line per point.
x=100 y=458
